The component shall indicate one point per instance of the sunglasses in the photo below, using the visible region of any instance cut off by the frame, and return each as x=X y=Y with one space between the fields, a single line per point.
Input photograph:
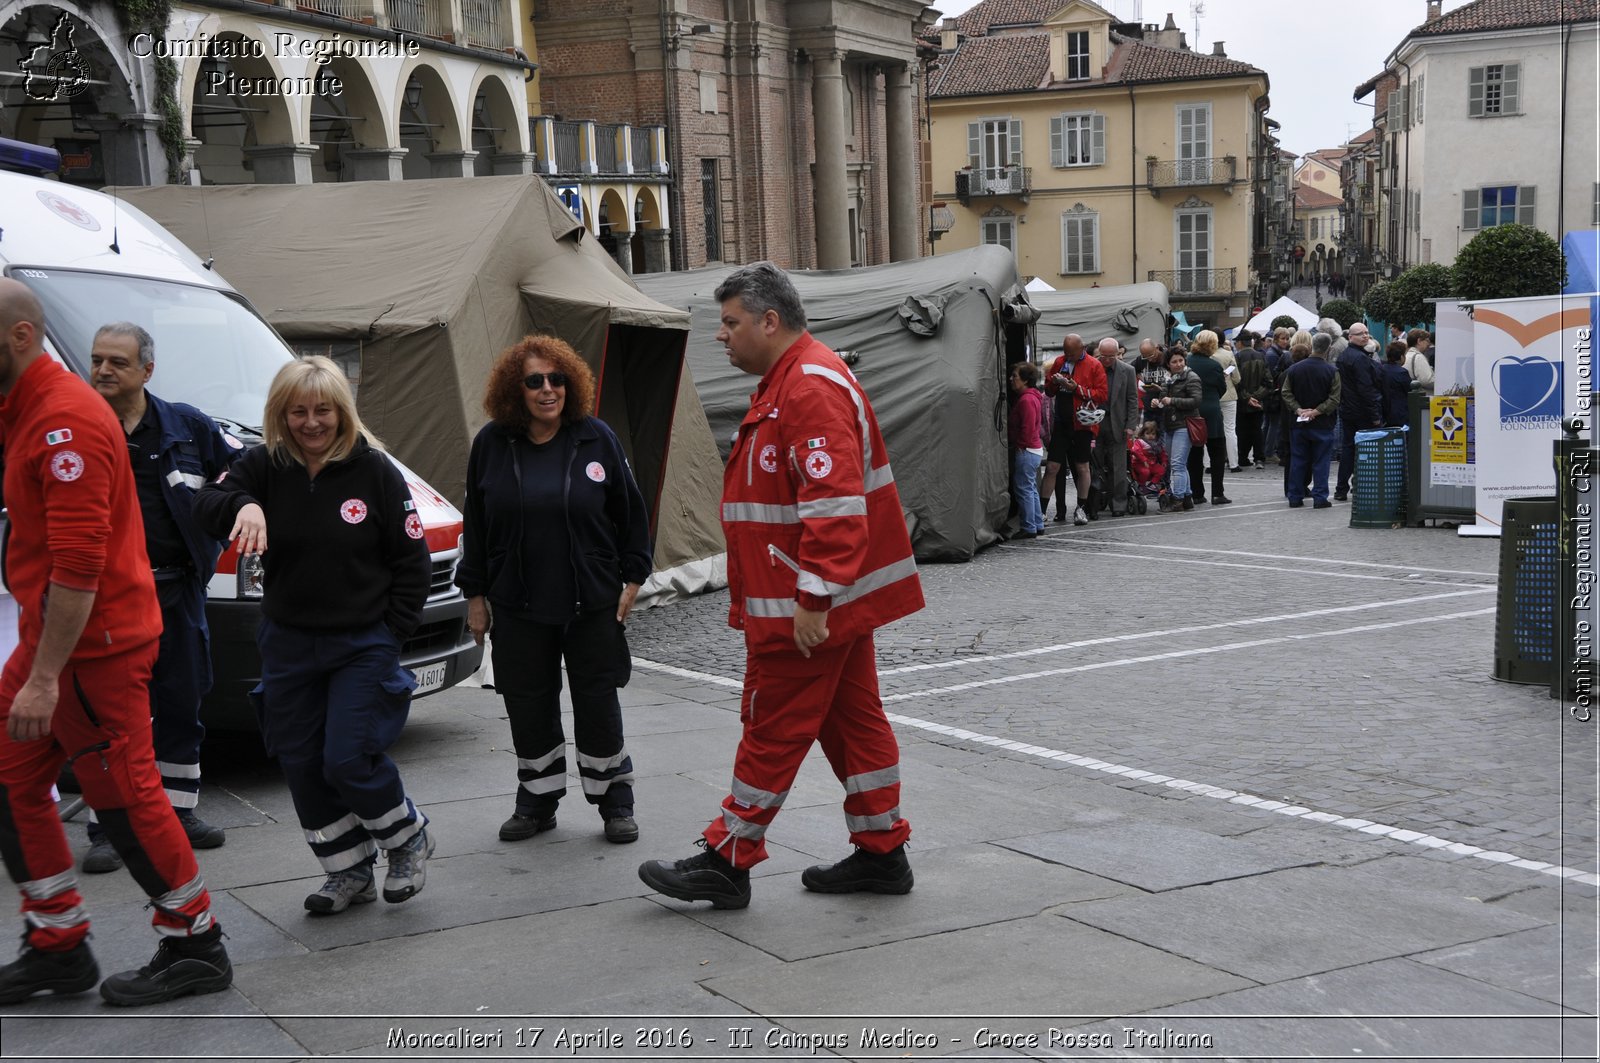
x=535 y=381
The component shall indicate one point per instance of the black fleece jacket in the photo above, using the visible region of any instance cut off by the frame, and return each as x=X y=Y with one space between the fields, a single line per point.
x=344 y=550
x=602 y=517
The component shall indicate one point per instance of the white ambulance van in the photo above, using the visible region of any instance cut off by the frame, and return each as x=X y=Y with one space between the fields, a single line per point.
x=91 y=260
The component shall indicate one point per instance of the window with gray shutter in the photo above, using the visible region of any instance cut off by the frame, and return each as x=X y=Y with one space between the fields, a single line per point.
x=1416 y=106
x=1080 y=241
x=1484 y=208
x=1016 y=142
x=974 y=144
x=1078 y=139
x=1495 y=89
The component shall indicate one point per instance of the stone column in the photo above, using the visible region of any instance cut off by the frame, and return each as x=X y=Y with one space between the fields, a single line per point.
x=624 y=240
x=544 y=142
x=657 y=250
x=514 y=163
x=131 y=153
x=375 y=164
x=281 y=164
x=830 y=179
x=901 y=104
x=452 y=163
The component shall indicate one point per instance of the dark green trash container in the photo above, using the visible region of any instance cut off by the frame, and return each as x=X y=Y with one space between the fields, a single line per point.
x=1525 y=602
x=1380 y=479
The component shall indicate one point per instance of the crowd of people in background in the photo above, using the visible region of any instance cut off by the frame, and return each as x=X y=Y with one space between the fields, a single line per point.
x=1153 y=424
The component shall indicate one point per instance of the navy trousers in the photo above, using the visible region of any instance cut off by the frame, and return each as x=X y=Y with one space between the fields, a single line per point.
x=527 y=673
x=330 y=703
x=1310 y=451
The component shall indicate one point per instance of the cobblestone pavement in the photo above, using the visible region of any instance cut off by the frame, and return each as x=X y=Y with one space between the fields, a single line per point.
x=1271 y=651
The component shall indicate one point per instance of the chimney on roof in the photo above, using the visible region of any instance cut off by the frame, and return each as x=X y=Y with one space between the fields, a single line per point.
x=1169 y=36
x=1216 y=50
x=1171 y=25
x=1433 y=10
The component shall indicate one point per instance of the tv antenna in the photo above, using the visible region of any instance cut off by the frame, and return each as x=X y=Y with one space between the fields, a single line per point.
x=1196 y=9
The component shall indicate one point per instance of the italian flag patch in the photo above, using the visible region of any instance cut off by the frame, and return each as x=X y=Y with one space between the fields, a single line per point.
x=817 y=443
x=408 y=505
x=60 y=435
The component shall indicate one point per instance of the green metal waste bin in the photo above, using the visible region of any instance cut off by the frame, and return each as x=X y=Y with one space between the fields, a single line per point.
x=1380 y=479
x=1525 y=601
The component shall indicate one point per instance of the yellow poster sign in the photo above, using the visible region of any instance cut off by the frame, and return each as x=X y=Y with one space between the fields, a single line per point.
x=1448 y=432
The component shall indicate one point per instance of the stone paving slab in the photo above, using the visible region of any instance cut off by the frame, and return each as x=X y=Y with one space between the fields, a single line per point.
x=1153 y=857
x=786 y=921
x=1052 y=966
x=1297 y=922
x=1392 y=1009
x=545 y=964
x=1553 y=963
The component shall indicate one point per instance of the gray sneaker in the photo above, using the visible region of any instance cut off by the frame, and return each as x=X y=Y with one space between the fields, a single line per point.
x=408 y=868
x=341 y=889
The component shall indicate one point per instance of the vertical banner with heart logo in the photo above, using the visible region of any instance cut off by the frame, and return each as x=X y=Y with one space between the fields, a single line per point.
x=1525 y=355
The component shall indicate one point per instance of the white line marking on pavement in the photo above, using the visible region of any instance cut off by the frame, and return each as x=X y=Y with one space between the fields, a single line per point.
x=684 y=673
x=1171 y=655
x=1282 y=808
x=1239 y=564
x=1142 y=636
x=1323 y=560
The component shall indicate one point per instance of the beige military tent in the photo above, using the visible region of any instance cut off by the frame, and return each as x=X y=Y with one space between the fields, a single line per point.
x=416 y=286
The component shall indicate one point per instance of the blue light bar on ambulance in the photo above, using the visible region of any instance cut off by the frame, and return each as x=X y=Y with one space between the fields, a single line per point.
x=21 y=157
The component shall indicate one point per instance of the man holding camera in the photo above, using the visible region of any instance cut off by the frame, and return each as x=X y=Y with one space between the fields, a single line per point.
x=1073 y=381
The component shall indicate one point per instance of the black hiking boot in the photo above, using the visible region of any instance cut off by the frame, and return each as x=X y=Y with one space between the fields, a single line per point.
x=704 y=877
x=181 y=966
x=862 y=872
x=38 y=971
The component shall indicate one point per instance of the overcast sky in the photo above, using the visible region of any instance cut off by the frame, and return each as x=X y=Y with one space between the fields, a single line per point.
x=1315 y=52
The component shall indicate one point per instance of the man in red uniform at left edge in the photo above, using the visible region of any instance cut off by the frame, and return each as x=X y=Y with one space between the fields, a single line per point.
x=76 y=687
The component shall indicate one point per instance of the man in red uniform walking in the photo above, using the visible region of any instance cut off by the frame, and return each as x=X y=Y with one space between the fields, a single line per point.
x=818 y=558
x=76 y=687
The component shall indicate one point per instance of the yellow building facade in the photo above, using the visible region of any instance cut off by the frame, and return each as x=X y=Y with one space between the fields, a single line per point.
x=1101 y=153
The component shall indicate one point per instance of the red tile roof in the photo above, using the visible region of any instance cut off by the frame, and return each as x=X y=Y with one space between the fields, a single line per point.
x=1509 y=15
x=985 y=65
x=976 y=22
x=1308 y=198
x=1135 y=61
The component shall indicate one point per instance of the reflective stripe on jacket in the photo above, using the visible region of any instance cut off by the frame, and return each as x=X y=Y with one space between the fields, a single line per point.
x=809 y=507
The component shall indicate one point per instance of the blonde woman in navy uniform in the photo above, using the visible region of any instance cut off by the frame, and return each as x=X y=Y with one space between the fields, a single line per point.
x=346 y=575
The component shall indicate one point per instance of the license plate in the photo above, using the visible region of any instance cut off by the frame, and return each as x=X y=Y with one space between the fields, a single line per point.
x=430 y=676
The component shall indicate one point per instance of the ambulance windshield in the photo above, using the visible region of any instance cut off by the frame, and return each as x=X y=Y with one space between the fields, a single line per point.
x=211 y=351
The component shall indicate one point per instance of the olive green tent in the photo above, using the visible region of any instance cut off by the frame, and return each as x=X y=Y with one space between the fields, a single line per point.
x=416 y=286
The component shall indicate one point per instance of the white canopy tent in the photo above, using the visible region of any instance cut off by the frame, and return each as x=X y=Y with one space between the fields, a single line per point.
x=1038 y=284
x=1306 y=319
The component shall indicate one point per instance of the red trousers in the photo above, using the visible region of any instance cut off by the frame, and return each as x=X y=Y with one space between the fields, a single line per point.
x=789 y=702
x=101 y=724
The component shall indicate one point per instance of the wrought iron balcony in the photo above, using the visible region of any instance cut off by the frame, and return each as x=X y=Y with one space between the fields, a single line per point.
x=1190 y=173
x=1191 y=282
x=994 y=181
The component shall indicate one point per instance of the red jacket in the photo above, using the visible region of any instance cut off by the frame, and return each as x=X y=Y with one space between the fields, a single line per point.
x=75 y=517
x=1147 y=463
x=1026 y=423
x=810 y=510
x=1090 y=376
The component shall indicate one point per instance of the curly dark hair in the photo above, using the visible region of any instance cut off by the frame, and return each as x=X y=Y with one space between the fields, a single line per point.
x=502 y=396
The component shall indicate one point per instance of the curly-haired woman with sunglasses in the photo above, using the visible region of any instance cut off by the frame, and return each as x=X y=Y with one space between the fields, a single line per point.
x=557 y=543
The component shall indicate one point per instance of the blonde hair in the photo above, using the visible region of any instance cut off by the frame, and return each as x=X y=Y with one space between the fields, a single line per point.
x=1300 y=342
x=317 y=379
x=1205 y=343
